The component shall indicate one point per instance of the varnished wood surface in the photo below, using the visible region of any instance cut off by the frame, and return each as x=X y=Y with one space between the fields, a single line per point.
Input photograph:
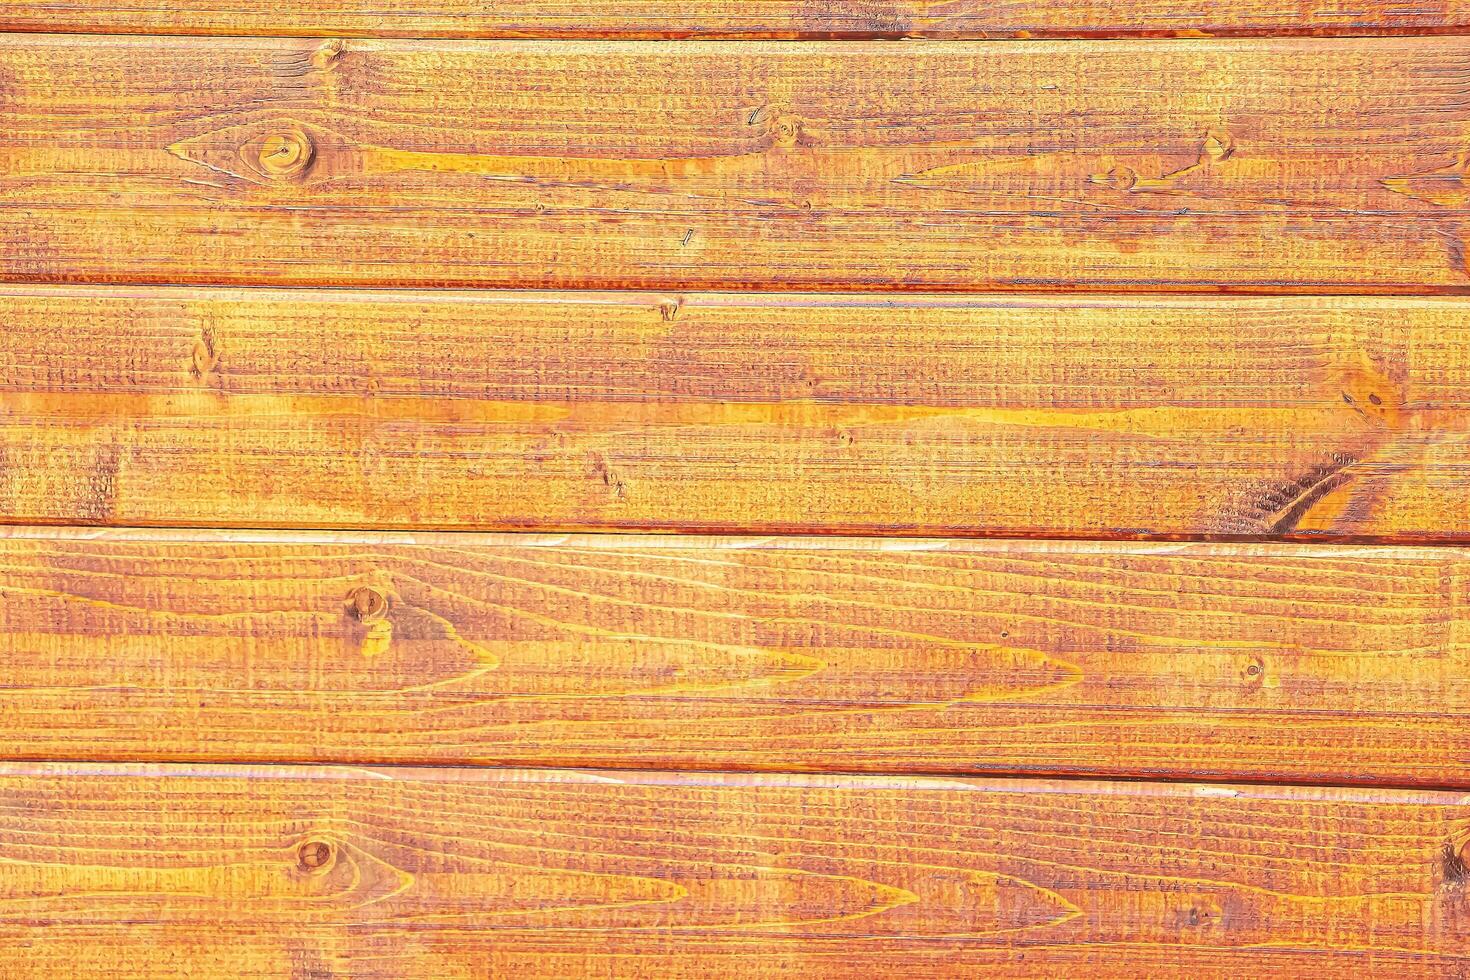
x=1116 y=416
x=155 y=872
x=742 y=18
x=1299 y=663
x=1276 y=164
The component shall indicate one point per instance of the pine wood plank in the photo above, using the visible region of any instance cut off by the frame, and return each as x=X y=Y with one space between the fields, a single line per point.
x=1113 y=417
x=236 y=872
x=742 y=18
x=1276 y=165
x=1302 y=663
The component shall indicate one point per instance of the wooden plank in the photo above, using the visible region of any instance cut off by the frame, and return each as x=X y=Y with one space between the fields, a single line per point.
x=1302 y=663
x=1273 y=165
x=1116 y=417
x=742 y=18
x=239 y=872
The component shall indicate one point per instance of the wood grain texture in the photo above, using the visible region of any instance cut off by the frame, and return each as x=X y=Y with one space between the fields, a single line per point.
x=1116 y=417
x=163 y=872
x=1275 y=165
x=743 y=18
x=1299 y=663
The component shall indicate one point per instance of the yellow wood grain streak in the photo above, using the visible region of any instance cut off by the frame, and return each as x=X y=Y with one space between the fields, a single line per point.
x=230 y=871
x=1247 y=164
x=1112 y=417
x=1322 y=663
x=741 y=18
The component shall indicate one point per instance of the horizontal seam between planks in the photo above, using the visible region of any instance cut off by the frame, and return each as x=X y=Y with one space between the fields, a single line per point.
x=897 y=543
x=735 y=36
x=533 y=537
x=1077 y=290
x=1008 y=780
x=1436 y=540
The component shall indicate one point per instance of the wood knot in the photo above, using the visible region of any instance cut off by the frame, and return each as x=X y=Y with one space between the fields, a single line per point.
x=1261 y=675
x=285 y=155
x=206 y=354
x=1119 y=178
x=1219 y=146
x=784 y=128
x=314 y=856
x=328 y=53
x=787 y=131
x=367 y=604
x=1371 y=392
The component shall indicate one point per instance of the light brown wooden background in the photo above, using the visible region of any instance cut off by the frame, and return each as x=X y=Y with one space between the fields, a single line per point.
x=756 y=487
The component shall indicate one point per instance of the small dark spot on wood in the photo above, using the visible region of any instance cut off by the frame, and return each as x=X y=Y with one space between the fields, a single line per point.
x=313 y=855
x=1375 y=399
x=1456 y=864
x=367 y=604
x=1255 y=670
x=601 y=471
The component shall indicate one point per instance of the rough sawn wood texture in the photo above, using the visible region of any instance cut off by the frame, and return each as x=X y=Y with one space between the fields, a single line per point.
x=1110 y=417
x=1264 y=165
x=542 y=489
x=289 y=872
x=743 y=18
x=1260 y=662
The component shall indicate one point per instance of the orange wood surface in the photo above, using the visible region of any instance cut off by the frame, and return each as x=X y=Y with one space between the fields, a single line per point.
x=824 y=457
x=1268 y=165
x=288 y=872
x=742 y=18
x=1113 y=417
x=1199 y=661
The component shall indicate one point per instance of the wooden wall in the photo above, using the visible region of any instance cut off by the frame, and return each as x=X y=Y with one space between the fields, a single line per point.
x=755 y=487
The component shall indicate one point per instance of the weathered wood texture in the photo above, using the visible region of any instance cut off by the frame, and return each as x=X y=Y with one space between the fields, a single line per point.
x=1254 y=662
x=1113 y=417
x=321 y=872
x=1225 y=164
x=743 y=18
